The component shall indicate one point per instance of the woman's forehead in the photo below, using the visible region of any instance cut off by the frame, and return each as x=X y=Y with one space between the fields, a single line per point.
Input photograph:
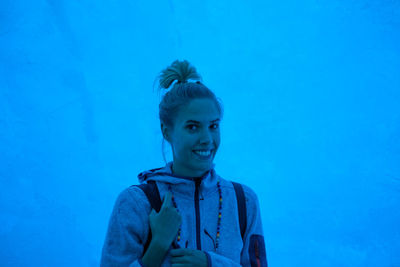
x=200 y=111
x=199 y=117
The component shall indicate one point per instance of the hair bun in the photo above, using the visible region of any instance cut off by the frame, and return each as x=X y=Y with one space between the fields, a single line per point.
x=180 y=71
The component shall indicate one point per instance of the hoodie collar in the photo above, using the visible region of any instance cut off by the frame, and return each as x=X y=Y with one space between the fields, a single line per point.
x=165 y=174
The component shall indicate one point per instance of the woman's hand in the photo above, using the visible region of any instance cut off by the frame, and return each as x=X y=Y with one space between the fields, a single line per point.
x=165 y=224
x=184 y=257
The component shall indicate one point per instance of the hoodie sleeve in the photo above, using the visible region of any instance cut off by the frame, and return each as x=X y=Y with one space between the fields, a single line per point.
x=253 y=253
x=127 y=230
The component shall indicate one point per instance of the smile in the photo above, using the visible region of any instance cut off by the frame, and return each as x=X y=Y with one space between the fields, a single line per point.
x=203 y=154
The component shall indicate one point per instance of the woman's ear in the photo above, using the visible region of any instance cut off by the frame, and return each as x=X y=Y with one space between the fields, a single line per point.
x=164 y=131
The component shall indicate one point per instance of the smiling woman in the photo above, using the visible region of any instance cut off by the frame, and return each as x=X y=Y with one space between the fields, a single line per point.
x=204 y=220
x=194 y=138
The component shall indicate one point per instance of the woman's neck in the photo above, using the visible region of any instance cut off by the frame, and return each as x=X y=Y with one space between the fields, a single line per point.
x=185 y=174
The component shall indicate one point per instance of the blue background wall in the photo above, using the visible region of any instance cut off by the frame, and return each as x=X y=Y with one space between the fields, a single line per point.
x=312 y=120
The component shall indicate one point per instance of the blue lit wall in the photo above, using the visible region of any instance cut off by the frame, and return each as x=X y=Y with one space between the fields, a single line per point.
x=311 y=91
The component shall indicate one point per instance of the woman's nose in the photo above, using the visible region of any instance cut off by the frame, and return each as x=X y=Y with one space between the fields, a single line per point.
x=205 y=137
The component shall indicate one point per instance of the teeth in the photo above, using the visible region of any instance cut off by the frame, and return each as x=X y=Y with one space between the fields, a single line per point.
x=203 y=153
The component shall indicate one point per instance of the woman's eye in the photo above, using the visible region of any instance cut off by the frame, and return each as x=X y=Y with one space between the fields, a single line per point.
x=190 y=127
x=216 y=126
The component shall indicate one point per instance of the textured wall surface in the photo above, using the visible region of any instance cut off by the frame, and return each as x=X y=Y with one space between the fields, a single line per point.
x=311 y=91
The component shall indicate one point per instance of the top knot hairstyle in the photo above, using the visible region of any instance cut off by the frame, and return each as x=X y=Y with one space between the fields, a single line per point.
x=181 y=71
x=181 y=92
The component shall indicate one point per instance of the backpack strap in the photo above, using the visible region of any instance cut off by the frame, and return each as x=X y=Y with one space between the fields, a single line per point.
x=241 y=203
x=153 y=195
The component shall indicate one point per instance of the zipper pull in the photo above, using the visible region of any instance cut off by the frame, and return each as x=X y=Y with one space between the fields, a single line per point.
x=175 y=244
x=197 y=182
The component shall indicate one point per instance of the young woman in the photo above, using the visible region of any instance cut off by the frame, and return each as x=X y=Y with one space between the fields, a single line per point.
x=202 y=220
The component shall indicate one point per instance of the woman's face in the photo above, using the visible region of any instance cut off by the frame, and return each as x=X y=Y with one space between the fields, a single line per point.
x=196 y=128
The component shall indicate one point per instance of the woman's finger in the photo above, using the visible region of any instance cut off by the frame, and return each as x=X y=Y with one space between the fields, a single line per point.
x=179 y=252
x=167 y=200
x=152 y=213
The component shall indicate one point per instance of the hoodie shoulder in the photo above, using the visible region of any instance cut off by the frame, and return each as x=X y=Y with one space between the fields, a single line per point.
x=249 y=193
x=132 y=198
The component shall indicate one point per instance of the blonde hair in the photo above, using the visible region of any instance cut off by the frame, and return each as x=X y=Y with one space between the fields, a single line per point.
x=182 y=92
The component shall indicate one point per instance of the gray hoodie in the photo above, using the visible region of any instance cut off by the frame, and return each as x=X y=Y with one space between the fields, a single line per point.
x=128 y=227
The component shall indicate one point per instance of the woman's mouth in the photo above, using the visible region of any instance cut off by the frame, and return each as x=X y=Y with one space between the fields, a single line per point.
x=203 y=154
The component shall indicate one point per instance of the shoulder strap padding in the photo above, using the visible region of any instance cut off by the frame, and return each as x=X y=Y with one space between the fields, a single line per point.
x=241 y=203
x=153 y=195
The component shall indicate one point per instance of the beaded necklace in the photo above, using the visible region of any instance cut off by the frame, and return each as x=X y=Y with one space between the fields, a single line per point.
x=219 y=213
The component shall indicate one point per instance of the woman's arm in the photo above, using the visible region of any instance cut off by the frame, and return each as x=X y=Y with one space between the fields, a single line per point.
x=128 y=229
x=155 y=253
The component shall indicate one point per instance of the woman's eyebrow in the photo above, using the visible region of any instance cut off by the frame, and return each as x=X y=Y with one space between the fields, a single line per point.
x=193 y=121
